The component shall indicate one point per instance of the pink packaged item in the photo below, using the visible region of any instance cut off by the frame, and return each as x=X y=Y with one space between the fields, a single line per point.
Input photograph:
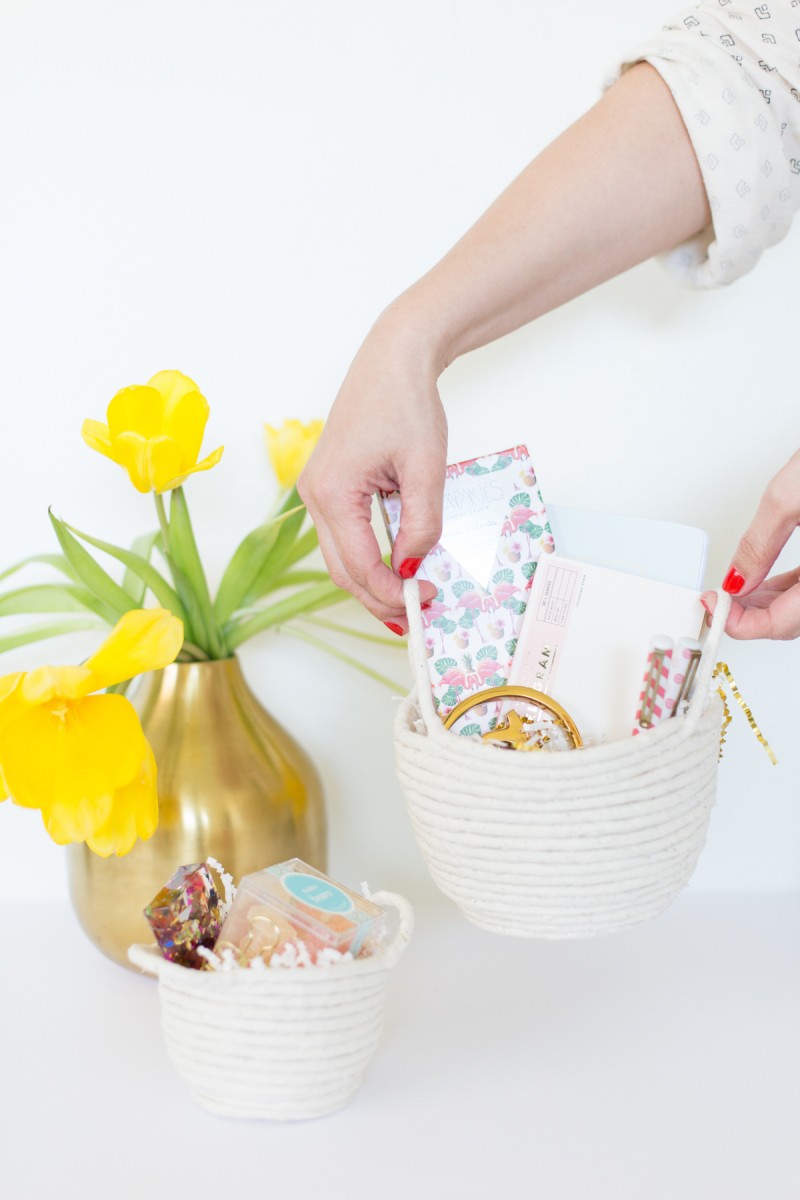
x=494 y=530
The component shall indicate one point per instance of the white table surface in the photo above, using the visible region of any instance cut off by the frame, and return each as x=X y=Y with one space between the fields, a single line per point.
x=660 y=1063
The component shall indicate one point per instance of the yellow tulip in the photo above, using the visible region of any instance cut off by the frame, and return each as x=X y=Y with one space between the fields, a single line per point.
x=290 y=448
x=83 y=759
x=155 y=432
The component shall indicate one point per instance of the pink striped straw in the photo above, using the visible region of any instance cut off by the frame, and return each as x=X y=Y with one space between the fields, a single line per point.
x=653 y=694
x=681 y=674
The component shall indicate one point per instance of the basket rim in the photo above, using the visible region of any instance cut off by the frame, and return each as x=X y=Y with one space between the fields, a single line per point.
x=637 y=748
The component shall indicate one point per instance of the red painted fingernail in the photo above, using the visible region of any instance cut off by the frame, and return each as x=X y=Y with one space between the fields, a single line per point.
x=427 y=604
x=394 y=628
x=409 y=567
x=733 y=582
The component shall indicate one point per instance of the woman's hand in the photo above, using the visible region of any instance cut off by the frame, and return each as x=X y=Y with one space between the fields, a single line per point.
x=386 y=430
x=766 y=608
x=620 y=185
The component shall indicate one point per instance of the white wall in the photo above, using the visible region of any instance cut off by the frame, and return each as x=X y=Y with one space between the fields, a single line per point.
x=236 y=191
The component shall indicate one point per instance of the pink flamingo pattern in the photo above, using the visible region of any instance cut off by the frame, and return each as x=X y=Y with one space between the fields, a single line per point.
x=471 y=629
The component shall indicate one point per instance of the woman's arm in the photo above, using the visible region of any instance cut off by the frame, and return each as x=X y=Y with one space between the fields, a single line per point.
x=619 y=186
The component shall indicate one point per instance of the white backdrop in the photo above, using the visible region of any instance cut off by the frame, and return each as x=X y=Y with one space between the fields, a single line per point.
x=236 y=191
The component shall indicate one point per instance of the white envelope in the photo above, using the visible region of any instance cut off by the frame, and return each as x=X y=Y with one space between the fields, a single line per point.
x=586 y=635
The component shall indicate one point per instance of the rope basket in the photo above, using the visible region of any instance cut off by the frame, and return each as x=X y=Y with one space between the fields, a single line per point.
x=560 y=845
x=282 y=1043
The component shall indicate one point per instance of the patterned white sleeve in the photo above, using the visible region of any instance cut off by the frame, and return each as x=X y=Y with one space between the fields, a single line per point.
x=734 y=71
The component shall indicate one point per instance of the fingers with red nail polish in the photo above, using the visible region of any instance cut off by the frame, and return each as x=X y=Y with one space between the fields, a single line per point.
x=776 y=518
x=398 y=629
x=733 y=582
x=409 y=567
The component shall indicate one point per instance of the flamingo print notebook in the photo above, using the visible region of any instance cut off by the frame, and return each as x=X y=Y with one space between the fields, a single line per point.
x=494 y=530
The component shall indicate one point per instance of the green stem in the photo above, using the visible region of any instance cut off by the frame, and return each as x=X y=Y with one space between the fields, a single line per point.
x=399 y=688
x=189 y=602
x=163 y=522
x=356 y=633
x=193 y=652
x=186 y=557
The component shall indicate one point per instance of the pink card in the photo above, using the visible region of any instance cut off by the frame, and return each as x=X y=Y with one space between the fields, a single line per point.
x=494 y=530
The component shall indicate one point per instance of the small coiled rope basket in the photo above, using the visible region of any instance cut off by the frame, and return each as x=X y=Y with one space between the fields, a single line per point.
x=560 y=845
x=283 y=1043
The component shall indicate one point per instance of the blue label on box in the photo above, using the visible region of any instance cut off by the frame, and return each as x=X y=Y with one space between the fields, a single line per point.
x=318 y=893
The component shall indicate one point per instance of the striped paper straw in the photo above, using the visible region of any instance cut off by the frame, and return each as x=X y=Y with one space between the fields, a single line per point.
x=682 y=672
x=651 y=698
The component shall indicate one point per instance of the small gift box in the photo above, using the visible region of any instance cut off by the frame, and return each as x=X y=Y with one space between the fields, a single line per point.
x=283 y=1043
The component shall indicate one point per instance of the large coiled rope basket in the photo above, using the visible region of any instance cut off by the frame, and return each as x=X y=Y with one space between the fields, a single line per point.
x=283 y=1043
x=560 y=845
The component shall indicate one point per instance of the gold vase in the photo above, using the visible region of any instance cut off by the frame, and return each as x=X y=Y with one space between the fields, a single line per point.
x=231 y=784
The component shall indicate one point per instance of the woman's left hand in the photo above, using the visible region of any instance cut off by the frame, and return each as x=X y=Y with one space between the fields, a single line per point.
x=765 y=607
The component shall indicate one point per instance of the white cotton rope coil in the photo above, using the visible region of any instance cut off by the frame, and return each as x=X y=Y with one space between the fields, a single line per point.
x=285 y=1043
x=572 y=844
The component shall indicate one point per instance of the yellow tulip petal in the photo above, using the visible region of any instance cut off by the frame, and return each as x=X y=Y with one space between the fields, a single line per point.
x=150 y=463
x=144 y=639
x=290 y=448
x=172 y=386
x=70 y=820
x=44 y=683
x=97 y=437
x=205 y=465
x=65 y=759
x=102 y=747
x=133 y=813
x=164 y=462
x=130 y=451
x=28 y=750
x=12 y=702
x=8 y=684
x=136 y=410
x=185 y=422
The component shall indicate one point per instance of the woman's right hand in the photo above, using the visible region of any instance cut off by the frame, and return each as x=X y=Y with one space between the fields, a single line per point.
x=387 y=430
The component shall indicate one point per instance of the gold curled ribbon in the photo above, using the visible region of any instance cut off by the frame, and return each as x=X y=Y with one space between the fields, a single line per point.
x=723 y=669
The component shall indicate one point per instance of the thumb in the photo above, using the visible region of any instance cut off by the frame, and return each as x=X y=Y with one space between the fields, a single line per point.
x=775 y=519
x=421 y=496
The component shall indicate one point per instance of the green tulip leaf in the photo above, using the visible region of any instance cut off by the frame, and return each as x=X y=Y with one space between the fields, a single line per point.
x=51 y=560
x=284 y=553
x=305 y=544
x=319 y=595
x=296 y=578
x=53 y=598
x=248 y=560
x=141 y=569
x=397 y=688
x=348 y=631
x=91 y=574
x=143 y=546
x=40 y=633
